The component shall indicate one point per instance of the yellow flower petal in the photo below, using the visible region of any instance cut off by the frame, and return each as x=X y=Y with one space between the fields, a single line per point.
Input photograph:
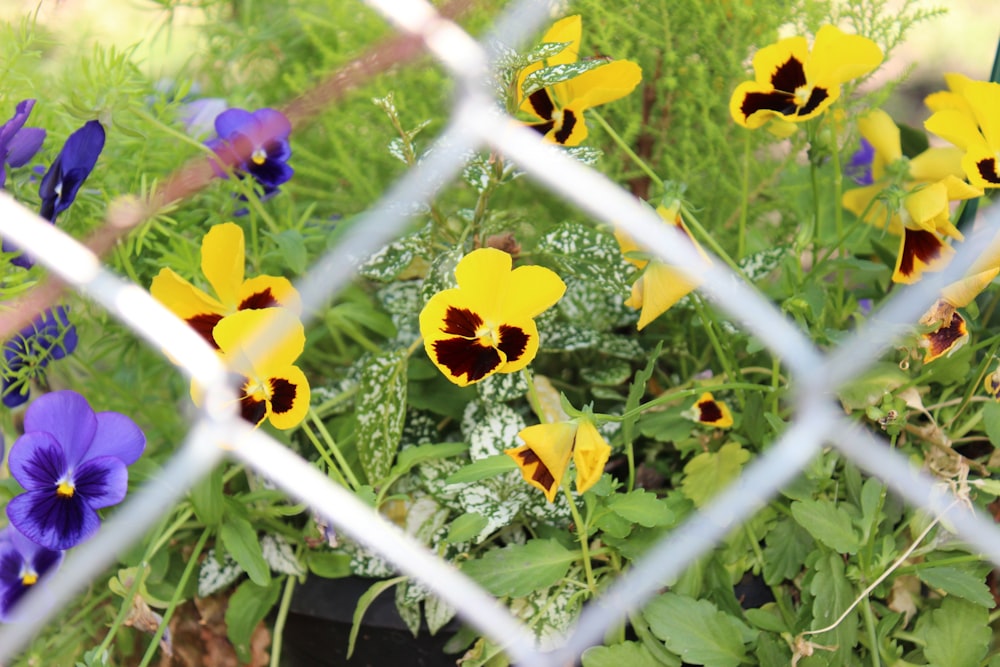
x=946 y=339
x=590 y=455
x=268 y=292
x=962 y=292
x=568 y=31
x=657 y=290
x=980 y=164
x=957 y=127
x=706 y=410
x=838 y=57
x=181 y=297
x=882 y=133
x=238 y=335
x=601 y=85
x=984 y=99
x=531 y=291
x=544 y=458
x=935 y=164
x=289 y=397
x=222 y=261
x=919 y=251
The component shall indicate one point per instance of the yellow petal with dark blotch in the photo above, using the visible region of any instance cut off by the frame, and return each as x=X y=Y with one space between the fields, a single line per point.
x=919 y=251
x=751 y=104
x=280 y=335
x=223 y=261
x=961 y=293
x=992 y=384
x=269 y=292
x=568 y=30
x=984 y=99
x=517 y=344
x=590 y=455
x=288 y=400
x=838 y=57
x=181 y=297
x=544 y=458
x=771 y=63
x=446 y=321
x=711 y=412
x=950 y=336
x=954 y=126
x=981 y=165
x=878 y=128
x=935 y=164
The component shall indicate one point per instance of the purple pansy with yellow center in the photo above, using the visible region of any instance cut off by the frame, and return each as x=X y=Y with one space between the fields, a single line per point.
x=545 y=455
x=795 y=84
x=18 y=143
x=49 y=337
x=23 y=565
x=255 y=144
x=486 y=325
x=71 y=462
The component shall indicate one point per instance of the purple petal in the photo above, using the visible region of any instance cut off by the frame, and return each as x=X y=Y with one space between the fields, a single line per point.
x=16 y=551
x=233 y=121
x=15 y=392
x=36 y=460
x=23 y=146
x=12 y=126
x=117 y=436
x=53 y=522
x=272 y=124
x=271 y=174
x=71 y=168
x=68 y=417
x=101 y=482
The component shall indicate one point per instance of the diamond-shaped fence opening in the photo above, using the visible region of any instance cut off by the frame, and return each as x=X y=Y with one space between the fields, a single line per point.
x=219 y=432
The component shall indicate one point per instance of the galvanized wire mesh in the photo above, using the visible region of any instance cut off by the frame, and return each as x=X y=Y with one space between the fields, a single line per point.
x=218 y=431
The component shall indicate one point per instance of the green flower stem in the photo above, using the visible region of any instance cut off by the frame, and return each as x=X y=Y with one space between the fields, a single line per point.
x=709 y=325
x=331 y=447
x=581 y=531
x=673 y=396
x=168 y=534
x=126 y=607
x=279 y=621
x=814 y=179
x=710 y=241
x=874 y=649
x=974 y=387
x=939 y=562
x=175 y=599
x=741 y=238
x=755 y=546
x=838 y=212
x=639 y=162
x=166 y=129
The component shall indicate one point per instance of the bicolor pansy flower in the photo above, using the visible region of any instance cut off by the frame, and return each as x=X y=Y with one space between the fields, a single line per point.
x=968 y=118
x=910 y=197
x=992 y=384
x=795 y=84
x=660 y=285
x=710 y=412
x=271 y=386
x=223 y=258
x=255 y=144
x=71 y=462
x=486 y=325
x=24 y=565
x=560 y=108
x=50 y=336
x=18 y=143
x=545 y=455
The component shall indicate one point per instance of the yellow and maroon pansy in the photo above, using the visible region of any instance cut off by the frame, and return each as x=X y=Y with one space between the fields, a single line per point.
x=974 y=127
x=560 y=108
x=660 y=286
x=486 y=325
x=706 y=410
x=793 y=84
x=545 y=455
x=223 y=264
x=272 y=387
x=992 y=384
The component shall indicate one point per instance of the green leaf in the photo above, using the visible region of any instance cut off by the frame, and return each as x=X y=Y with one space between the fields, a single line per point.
x=632 y=654
x=957 y=634
x=247 y=607
x=363 y=603
x=830 y=524
x=491 y=466
x=665 y=425
x=386 y=264
x=708 y=473
x=958 y=582
x=697 y=631
x=240 y=540
x=991 y=422
x=520 y=569
x=642 y=508
x=329 y=565
x=832 y=594
x=381 y=412
x=292 y=250
x=868 y=390
x=466 y=527
x=767 y=618
x=785 y=551
x=207 y=498
x=413 y=456
x=591 y=255
x=547 y=76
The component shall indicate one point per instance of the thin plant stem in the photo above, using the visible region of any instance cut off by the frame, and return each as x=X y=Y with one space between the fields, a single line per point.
x=581 y=531
x=873 y=651
x=709 y=325
x=279 y=621
x=331 y=445
x=639 y=162
x=741 y=238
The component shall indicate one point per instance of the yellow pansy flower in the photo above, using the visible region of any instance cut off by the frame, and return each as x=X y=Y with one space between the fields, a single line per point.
x=223 y=263
x=544 y=457
x=968 y=118
x=706 y=410
x=795 y=84
x=560 y=108
x=486 y=325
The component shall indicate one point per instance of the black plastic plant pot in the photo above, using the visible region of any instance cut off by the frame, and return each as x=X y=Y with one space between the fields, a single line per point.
x=319 y=627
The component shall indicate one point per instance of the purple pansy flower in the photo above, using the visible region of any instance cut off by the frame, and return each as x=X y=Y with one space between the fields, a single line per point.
x=255 y=144
x=71 y=462
x=75 y=162
x=859 y=167
x=18 y=143
x=50 y=336
x=23 y=564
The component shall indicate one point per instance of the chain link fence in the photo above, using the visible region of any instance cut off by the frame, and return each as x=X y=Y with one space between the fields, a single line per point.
x=477 y=124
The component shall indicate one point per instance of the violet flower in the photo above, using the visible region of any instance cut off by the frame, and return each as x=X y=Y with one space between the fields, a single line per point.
x=23 y=565
x=72 y=167
x=18 y=143
x=49 y=337
x=71 y=462
x=859 y=167
x=255 y=144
